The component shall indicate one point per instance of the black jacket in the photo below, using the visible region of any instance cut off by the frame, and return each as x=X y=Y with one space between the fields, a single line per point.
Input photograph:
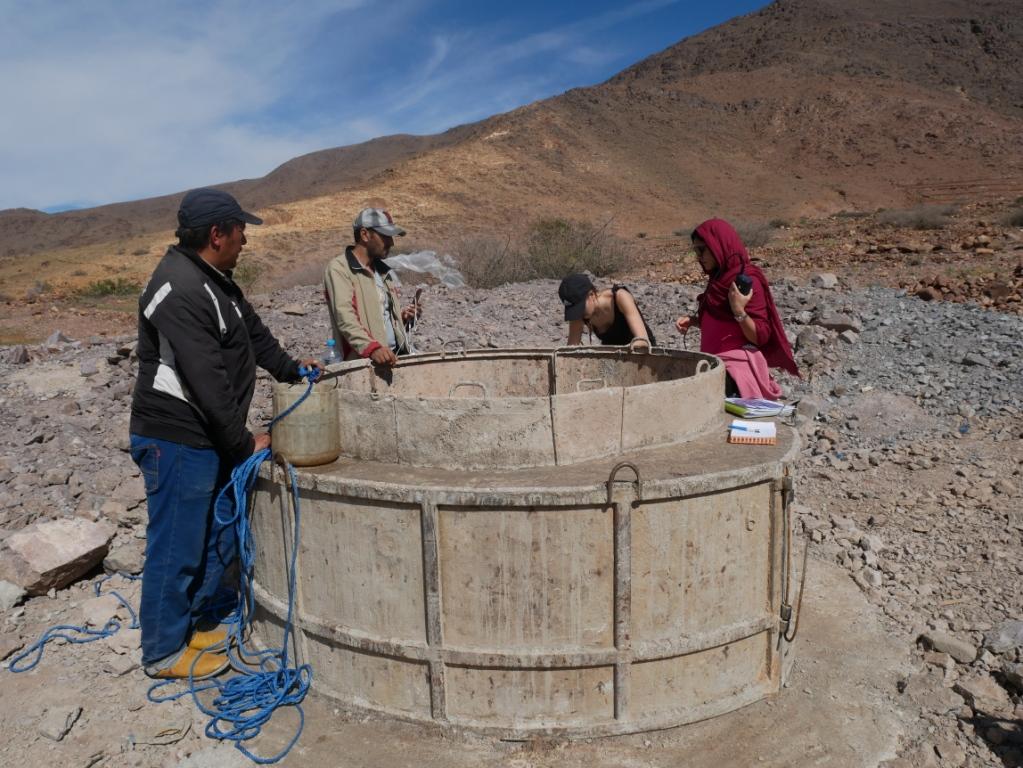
x=199 y=344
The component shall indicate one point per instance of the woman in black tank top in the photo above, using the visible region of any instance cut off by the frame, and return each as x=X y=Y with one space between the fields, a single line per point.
x=611 y=314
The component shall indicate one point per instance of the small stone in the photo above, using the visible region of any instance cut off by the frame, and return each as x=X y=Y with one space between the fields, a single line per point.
x=10 y=643
x=849 y=337
x=985 y=696
x=124 y=641
x=56 y=722
x=973 y=358
x=871 y=543
x=824 y=280
x=950 y=753
x=960 y=650
x=294 y=309
x=843 y=523
x=56 y=476
x=1006 y=638
x=938 y=659
x=89 y=367
x=1013 y=674
x=839 y=323
x=10 y=595
x=18 y=355
x=126 y=557
x=927 y=690
x=56 y=338
x=97 y=611
x=872 y=578
x=120 y=665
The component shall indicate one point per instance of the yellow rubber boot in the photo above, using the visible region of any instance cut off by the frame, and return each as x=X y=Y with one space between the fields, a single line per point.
x=192 y=663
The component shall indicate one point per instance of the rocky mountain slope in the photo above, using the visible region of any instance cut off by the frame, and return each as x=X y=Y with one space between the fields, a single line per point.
x=806 y=107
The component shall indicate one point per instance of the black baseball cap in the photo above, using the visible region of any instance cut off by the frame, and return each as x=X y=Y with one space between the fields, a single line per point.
x=204 y=206
x=573 y=292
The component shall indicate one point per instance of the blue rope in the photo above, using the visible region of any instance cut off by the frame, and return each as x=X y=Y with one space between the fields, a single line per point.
x=245 y=703
x=80 y=634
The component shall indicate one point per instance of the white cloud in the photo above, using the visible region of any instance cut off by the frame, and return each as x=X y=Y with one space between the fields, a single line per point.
x=111 y=100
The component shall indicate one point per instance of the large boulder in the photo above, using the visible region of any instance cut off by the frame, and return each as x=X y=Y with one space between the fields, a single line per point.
x=53 y=554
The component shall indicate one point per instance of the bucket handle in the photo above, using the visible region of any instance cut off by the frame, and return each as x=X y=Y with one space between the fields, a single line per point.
x=702 y=366
x=579 y=384
x=456 y=385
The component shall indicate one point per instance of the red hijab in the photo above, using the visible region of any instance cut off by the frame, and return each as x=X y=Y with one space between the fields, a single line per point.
x=729 y=252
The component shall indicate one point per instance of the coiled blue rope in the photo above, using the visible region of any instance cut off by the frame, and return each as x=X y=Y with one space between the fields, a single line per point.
x=245 y=703
x=78 y=634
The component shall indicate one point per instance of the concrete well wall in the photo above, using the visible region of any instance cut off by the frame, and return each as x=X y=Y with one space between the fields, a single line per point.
x=534 y=542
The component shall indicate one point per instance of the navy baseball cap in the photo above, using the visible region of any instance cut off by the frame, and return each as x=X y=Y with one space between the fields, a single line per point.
x=573 y=292
x=205 y=206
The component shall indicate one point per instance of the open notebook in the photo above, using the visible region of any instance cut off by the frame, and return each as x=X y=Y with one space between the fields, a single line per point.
x=752 y=432
x=756 y=407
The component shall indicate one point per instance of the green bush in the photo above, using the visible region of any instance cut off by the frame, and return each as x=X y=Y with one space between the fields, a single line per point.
x=117 y=286
x=918 y=217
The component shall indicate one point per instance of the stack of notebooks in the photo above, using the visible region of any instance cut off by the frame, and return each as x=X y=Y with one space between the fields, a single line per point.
x=756 y=408
x=752 y=432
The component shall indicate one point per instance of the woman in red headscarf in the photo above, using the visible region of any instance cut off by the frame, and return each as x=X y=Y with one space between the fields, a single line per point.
x=736 y=314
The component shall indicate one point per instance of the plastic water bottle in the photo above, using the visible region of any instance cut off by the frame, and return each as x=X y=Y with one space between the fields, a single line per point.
x=330 y=356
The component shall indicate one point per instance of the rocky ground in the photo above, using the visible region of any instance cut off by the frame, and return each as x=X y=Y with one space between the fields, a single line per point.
x=911 y=477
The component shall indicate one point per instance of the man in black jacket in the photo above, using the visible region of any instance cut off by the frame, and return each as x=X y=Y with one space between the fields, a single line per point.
x=199 y=344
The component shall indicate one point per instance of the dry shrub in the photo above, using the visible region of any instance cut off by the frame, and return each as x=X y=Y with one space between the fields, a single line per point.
x=754 y=234
x=118 y=286
x=38 y=289
x=302 y=274
x=552 y=248
x=1015 y=218
x=557 y=247
x=918 y=217
x=487 y=261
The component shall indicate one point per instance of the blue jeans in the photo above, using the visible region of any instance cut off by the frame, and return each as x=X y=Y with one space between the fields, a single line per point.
x=186 y=550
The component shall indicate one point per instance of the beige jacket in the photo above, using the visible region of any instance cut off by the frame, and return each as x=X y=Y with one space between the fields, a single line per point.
x=356 y=318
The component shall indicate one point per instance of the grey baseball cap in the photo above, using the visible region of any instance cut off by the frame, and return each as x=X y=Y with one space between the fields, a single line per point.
x=378 y=219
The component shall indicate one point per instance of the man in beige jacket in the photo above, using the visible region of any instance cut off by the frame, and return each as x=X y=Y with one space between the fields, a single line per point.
x=363 y=295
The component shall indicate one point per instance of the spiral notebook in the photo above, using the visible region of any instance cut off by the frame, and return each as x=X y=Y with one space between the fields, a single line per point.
x=752 y=432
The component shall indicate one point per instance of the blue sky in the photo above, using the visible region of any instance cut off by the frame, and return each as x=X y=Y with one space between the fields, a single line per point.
x=117 y=100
